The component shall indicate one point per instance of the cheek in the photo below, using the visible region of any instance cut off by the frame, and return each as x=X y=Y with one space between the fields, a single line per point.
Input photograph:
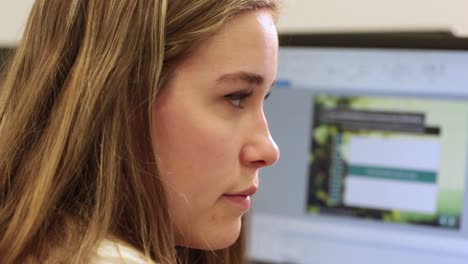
x=194 y=150
x=198 y=158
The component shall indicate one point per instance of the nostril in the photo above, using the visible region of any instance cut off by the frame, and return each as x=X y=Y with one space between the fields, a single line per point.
x=259 y=163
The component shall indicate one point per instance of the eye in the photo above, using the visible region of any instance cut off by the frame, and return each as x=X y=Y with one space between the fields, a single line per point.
x=236 y=98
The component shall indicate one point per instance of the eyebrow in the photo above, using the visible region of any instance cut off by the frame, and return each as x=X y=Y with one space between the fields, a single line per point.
x=252 y=78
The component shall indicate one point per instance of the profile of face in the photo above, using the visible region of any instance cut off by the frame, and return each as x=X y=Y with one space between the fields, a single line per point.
x=210 y=134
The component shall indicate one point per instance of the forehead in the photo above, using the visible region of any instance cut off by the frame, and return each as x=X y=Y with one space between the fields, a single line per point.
x=248 y=40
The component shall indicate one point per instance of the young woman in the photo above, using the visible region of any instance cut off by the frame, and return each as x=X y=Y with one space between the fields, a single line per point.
x=133 y=131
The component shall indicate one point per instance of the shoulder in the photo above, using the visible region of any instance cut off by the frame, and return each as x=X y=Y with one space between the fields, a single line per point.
x=111 y=252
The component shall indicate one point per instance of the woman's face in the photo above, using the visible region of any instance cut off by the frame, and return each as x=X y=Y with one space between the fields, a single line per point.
x=210 y=133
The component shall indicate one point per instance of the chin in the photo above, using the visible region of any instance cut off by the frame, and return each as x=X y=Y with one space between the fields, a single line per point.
x=227 y=242
x=216 y=245
x=215 y=239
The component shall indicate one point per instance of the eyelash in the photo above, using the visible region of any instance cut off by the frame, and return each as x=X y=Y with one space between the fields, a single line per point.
x=236 y=98
x=239 y=96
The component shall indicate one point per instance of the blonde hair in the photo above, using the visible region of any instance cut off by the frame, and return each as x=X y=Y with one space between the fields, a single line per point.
x=76 y=162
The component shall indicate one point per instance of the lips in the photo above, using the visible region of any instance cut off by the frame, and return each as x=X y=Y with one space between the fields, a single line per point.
x=242 y=198
x=246 y=192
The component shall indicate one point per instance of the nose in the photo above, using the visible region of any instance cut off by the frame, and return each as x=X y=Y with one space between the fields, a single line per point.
x=259 y=150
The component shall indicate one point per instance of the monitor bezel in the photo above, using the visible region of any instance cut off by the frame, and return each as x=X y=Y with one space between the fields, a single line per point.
x=394 y=40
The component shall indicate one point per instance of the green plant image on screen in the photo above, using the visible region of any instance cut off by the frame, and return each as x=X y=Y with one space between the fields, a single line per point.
x=391 y=159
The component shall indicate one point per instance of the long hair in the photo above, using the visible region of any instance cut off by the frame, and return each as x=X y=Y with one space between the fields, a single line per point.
x=76 y=161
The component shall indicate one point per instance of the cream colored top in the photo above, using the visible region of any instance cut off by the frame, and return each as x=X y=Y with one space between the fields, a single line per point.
x=111 y=252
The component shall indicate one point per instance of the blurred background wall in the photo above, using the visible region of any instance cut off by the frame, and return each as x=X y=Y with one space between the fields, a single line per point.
x=13 y=14
x=375 y=15
x=316 y=16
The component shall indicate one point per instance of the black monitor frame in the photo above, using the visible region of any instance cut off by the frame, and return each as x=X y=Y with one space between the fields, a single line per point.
x=399 y=40
x=4 y=52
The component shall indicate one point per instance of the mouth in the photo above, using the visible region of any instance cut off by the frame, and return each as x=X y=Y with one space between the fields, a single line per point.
x=241 y=198
x=241 y=201
x=246 y=192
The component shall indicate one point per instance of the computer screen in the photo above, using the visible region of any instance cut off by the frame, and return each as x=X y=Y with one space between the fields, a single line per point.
x=374 y=149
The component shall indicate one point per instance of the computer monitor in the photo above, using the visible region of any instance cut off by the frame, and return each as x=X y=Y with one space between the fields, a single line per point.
x=373 y=133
